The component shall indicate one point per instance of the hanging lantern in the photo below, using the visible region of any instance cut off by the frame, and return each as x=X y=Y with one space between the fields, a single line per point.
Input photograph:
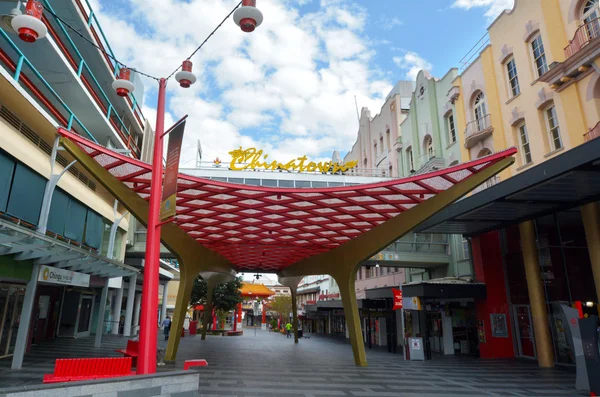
x=185 y=77
x=123 y=85
x=248 y=17
x=29 y=26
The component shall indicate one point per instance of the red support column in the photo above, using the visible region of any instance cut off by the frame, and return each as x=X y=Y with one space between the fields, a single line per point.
x=148 y=322
x=214 y=318
x=240 y=315
x=264 y=317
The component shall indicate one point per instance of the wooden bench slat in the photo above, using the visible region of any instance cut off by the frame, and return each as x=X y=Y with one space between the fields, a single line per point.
x=66 y=370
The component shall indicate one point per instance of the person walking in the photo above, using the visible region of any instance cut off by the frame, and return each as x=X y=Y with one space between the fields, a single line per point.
x=288 y=329
x=167 y=327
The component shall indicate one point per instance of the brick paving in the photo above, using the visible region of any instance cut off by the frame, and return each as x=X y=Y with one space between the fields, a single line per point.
x=265 y=364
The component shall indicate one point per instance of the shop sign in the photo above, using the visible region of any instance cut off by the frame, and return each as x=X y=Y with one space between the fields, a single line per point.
x=311 y=302
x=252 y=159
x=329 y=296
x=481 y=331
x=169 y=196
x=411 y=303
x=499 y=327
x=397 y=298
x=54 y=275
x=381 y=256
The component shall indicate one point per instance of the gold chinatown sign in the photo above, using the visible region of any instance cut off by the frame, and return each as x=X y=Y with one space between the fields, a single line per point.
x=251 y=158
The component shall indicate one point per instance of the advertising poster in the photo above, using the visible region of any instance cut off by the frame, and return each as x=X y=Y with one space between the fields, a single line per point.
x=168 y=205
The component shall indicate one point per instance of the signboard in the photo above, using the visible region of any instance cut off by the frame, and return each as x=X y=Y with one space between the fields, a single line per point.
x=253 y=159
x=411 y=303
x=168 y=205
x=499 y=327
x=397 y=298
x=54 y=275
x=329 y=296
x=481 y=331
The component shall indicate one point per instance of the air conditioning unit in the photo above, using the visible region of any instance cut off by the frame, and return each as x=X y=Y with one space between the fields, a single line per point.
x=129 y=243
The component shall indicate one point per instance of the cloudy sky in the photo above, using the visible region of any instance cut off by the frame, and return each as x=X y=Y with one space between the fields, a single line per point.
x=289 y=87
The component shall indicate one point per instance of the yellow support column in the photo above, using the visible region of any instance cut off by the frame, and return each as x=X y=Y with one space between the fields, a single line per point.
x=181 y=305
x=537 y=298
x=292 y=284
x=590 y=213
x=348 y=293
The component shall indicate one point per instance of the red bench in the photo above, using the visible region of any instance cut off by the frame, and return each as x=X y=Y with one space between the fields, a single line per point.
x=130 y=351
x=194 y=363
x=74 y=369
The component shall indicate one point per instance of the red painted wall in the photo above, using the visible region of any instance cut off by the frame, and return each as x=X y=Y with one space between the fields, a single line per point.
x=487 y=262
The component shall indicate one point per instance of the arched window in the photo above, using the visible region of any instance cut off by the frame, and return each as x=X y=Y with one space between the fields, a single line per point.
x=381 y=144
x=590 y=14
x=480 y=111
x=484 y=152
x=411 y=160
x=390 y=171
x=429 y=148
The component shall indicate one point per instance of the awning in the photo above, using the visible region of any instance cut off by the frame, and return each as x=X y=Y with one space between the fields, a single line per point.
x=380 y=293
x=24 y=244
x=563 y=182
x=309 y=290
x=448 y=288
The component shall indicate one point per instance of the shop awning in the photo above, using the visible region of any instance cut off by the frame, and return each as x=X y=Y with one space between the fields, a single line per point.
x=445 y=288
x=309 y=290
x=563 y=182
x=24 y=244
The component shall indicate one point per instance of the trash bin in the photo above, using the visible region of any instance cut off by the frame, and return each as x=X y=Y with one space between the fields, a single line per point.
x=193 y=327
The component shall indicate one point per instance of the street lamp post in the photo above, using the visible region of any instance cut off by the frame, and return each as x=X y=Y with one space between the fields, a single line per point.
x=30 y=28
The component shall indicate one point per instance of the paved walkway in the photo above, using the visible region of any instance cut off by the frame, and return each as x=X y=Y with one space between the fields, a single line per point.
x=268 y=365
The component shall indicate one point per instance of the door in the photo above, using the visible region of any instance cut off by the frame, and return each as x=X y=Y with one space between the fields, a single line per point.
x=85 y=315
x=11 y=302
x=525 y=336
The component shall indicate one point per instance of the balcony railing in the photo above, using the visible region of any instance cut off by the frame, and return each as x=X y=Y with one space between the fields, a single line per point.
x=422 y=243
x=593 y=133
x=583 y=35
x=477 y=130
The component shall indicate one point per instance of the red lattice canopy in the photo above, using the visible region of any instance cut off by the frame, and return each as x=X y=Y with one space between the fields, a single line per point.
x=261 y=228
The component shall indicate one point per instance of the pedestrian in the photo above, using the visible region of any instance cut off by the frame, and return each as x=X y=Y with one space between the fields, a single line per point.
x=167 y=327
x=288 y=329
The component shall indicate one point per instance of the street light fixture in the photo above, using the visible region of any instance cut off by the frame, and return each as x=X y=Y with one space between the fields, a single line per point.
x=30 y=28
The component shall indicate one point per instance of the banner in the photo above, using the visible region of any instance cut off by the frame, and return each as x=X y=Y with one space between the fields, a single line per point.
x=168 y=205
x=397 y=298
x=55 y=275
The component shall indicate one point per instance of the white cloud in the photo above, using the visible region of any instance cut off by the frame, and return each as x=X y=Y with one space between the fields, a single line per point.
x=388 y=23
x=293 y=80
x=413 y=63
x=493 y=7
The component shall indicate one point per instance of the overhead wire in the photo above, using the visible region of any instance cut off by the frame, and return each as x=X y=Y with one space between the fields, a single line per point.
x=208 y=37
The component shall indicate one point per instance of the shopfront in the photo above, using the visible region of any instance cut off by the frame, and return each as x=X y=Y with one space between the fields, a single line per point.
x=535 y=241
x=11 y=303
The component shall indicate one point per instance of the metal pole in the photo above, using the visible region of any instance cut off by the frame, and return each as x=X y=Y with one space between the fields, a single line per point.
x=163 y=309
x=101 y=314
x=26 y=311
x=117 y=309
x=148 y=328
x=129 y=307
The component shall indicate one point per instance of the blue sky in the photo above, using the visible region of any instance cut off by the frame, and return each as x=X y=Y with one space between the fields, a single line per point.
x=289 y=87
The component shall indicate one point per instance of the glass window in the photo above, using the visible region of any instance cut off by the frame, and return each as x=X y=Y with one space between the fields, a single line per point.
x=539 y=56
x=465 y=248
x=411 y=160
x=269 y=182
x=27 y=192
x=302 y=183
x=7 y=167
x=513 y=79
x=590 y=14
x=58 y=212
x=429 y=148
x=319 y=184
x=285 y=183
x=553 y=128
x=253 y=182
x=524 y=141
x=451 y=128
x=480 y=111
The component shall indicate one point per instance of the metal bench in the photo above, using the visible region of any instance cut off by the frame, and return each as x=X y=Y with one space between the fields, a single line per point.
x=76 y=369
x=194 y=363
x=130 y=351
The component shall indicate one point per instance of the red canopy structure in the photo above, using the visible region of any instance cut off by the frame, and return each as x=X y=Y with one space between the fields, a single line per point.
x=221 y=228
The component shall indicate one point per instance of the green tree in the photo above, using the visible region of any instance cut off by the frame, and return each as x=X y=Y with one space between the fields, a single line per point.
x=225 y=296
x=282 y=305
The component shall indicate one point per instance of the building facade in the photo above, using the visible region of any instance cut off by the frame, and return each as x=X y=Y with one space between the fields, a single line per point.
x=534 y=231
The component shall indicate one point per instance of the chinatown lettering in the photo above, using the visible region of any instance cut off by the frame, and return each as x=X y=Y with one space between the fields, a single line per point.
x=251 y=158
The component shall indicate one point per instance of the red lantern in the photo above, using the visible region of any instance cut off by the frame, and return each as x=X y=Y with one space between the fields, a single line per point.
x=185 y=77
x=29 y=26
x=123 y=85
x=248 y=17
